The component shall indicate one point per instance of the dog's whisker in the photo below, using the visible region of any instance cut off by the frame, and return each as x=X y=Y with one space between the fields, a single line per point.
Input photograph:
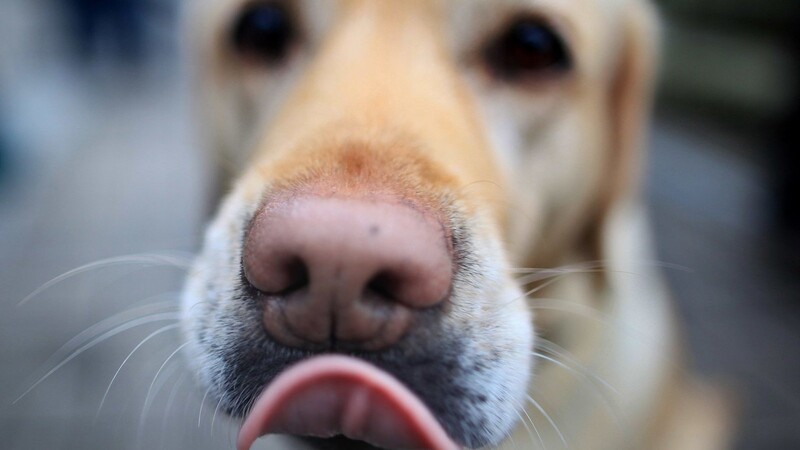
x=120 y=422
x=137 y=347
x=214 y=416
x=596 y=315
x=242 y=401
x=232 y=434
x=249 y=403
x=624 y=330
x=544 y=285
x=461 y=190
x=544 y=275
x=170 y=370
x=532 y=275
x=236 y=402
x=565 y=268
x=556 y=275
x=116 y=320
x=234 y=426
x=580 y=309
x=549 y=420
x=103 y=326
x=202 y=404
x=513 y=442
x=550 y=279
x=148 y=397
x=587 y=378
x=172 y=316
x=107 y=324
x=604 y=263
x=192 y=395
x=550 y=270
x=155 y=387
x=170 y=403
x=516 y=409
x=153 y=259
x=600 y=387
x=559 y=352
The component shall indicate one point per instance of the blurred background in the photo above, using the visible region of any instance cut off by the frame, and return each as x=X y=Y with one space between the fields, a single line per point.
x=97 y=161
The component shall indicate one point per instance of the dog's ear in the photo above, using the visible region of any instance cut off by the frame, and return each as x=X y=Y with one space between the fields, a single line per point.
x=631 y=94
x=629 y=104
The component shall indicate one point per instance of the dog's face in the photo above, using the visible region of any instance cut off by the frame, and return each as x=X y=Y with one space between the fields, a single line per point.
x=397 y=160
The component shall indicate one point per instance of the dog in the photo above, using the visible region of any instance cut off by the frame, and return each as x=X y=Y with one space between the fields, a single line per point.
x=399 y=168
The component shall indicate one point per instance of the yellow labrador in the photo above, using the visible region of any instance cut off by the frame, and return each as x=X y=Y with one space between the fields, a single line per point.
x=398 y=165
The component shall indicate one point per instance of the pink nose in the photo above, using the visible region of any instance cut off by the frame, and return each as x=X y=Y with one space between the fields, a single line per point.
x=345 y=273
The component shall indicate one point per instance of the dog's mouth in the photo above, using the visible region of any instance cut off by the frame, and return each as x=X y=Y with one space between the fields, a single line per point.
x=334 y=396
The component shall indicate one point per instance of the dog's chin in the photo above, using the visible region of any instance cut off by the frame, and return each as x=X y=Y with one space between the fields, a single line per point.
x=429 y=392
x=346 y=400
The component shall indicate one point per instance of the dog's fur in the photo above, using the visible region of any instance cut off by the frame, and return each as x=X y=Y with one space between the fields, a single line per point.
x=392 y=97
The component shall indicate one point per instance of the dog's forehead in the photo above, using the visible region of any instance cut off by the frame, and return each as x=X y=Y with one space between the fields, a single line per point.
x=475 y=16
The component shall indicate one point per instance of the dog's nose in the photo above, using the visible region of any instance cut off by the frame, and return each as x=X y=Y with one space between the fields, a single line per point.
x=345 y=273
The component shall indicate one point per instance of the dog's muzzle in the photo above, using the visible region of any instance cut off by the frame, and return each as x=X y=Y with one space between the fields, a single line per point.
x=344 y=275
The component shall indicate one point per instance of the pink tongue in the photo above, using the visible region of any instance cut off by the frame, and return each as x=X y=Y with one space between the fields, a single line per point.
x=328 y=396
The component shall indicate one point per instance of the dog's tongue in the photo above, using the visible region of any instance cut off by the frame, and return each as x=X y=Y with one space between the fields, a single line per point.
x=329 y=396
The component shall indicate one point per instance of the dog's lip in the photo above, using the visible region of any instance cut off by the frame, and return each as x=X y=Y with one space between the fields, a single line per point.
x=332 y=395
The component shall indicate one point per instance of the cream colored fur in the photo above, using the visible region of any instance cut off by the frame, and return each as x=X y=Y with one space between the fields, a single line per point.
x=547 y=174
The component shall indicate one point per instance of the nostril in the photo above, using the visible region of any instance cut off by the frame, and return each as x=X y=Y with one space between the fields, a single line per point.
x=295 y=276
x=385 y=284
x=282 y=279
x=274 y=274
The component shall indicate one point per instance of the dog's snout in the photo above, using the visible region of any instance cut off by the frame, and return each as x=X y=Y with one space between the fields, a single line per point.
x=349 y=273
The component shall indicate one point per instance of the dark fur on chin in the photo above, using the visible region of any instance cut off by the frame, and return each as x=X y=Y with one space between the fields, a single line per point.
x=430 y=361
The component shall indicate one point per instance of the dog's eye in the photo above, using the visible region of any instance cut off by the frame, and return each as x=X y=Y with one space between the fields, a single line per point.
x=264 y=31
x=527 y=47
